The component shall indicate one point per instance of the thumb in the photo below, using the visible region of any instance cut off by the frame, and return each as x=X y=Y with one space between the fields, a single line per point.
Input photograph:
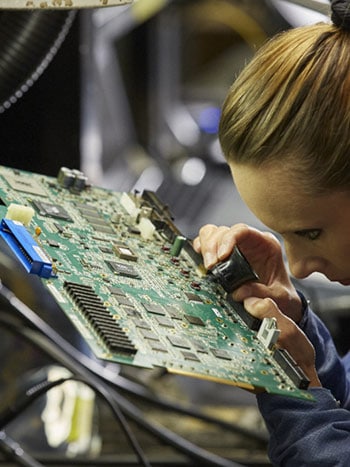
x=261 y=307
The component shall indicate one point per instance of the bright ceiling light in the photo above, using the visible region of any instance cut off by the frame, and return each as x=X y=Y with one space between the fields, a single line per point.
x=58 y=4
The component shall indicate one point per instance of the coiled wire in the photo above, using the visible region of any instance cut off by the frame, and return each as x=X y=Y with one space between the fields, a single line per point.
x=29 y=41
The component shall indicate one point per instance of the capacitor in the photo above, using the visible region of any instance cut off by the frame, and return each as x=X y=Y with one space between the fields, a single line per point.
x=80 y=181
x=65 y=177
x=177 y=245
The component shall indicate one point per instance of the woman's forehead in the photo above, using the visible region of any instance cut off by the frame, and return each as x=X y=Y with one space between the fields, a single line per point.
x=281 y=201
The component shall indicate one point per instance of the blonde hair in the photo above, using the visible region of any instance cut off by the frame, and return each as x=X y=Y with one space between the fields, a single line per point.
x=291 y=104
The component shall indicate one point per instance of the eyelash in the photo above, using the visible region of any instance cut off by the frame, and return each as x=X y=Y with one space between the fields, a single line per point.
x=310 y=234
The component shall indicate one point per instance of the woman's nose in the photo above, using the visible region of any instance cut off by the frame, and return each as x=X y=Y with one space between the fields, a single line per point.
x=301 y=264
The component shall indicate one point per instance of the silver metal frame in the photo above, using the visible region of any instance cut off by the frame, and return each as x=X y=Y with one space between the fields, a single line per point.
x=58 y=4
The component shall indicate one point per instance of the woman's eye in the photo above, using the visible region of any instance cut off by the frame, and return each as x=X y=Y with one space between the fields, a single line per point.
x=312 y=234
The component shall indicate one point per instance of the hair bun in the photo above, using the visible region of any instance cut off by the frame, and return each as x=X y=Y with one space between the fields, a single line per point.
x=341 y=13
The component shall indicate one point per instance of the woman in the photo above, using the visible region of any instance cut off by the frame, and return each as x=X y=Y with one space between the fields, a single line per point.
x=285 y=132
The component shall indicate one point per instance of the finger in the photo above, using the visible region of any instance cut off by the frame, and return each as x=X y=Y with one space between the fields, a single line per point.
x=252 y=289
x=196 y=244
x=291 y=336
x=262 y=308
x=220 y=242
x=202 y=238
x=210 y=238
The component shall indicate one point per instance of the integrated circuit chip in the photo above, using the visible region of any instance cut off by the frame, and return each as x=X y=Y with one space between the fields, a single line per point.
x=123 y=300
x=158 y=347
x=25 y=184
x=117 y=291
x=124 y=252
x=130 y=299
x=192 y=297
x=191 y=356
x=174 y=312
x=140 y=323
x=154 y=308
x=96 y=220
x=177 y=341
x=149 y=335
x=132 y=312
x=195 y=320
x=52 y=210
x=123 y=269
x=164 y=321
x=221 y=353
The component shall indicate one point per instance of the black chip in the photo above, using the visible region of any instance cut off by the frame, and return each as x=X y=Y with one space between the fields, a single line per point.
x=103 y=228
x=87 y=212
x=140 y=323
x=154 y=308
x=132 y=312
x=53 y=244
x=178 y=342
x=134 y=230
x=123 y=269
x=59 y=227
x=123 y=300
x=199 y=346
x=124 y=252
x=164 y=321
x=195 y=320
x=149 y=335
x=194 y=297
x=117 y=291
x=52 y=210
x=221 y=353
x=96 y=220
x=190 y=356
x=158 y=347
x=174 y=312
x=106 y=250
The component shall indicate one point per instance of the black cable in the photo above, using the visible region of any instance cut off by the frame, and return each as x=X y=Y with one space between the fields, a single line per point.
x=137 y=415
x=39 y=389
x=13 y=450
x=36 y=391
x=13 y=278
x=55 y=346
x=11 y=412
x=140 y=391
x=190 y=411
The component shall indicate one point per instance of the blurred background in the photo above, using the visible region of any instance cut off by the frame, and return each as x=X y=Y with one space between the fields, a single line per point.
x=131 y=95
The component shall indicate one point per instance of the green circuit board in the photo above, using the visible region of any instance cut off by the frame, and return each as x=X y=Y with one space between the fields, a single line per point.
x=132 y=285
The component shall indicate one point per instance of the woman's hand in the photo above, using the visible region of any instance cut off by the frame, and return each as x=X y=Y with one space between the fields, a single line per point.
x=291 y=336
x=263 y=251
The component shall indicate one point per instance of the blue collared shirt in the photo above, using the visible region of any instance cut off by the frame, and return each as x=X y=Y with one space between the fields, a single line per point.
x=317 y=433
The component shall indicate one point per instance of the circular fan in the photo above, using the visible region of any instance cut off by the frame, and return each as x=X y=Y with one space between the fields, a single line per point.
x=59 y=4
x=28 y=42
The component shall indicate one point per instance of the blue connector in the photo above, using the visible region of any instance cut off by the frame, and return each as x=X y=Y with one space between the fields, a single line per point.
x=25 y=248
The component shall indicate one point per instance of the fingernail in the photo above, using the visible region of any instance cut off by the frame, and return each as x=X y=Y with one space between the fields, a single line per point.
x=223 y=250
x=209 y=259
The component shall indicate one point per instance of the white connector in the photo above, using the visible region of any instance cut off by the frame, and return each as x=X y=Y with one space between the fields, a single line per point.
x=268 y=332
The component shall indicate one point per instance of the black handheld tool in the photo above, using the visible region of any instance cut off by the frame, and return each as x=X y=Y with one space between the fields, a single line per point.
x=234 y=271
